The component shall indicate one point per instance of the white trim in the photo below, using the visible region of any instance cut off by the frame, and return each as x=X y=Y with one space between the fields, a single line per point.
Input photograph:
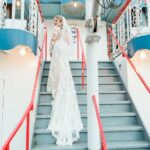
x=22 y=9
x=13 y=9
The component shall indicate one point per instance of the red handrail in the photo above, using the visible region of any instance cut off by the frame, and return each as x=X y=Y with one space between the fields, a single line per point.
x=80 y=44
x=101 y=131
x=130 y=62
x=26 y=114
x=121 y=11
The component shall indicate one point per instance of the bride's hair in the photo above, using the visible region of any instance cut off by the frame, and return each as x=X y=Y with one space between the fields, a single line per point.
x=66 y=31
x=60 y=18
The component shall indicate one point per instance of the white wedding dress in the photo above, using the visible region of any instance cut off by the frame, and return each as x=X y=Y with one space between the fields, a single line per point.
x=65 y=120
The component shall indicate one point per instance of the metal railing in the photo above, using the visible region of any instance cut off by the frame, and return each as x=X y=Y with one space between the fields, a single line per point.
x=101 y=131
x=132 y=20
x=80 y=45
x=123 y=52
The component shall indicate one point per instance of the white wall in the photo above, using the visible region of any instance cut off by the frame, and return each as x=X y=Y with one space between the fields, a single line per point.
x=18 y=73
x=103 y=56
x=138 y=93
x=121 y=65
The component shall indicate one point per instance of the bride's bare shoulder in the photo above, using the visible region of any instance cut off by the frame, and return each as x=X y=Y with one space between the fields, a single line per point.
x=57 y=28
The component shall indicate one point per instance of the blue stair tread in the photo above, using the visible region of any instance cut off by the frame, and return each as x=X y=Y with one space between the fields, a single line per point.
x=45 y=131
x=79 y=61
x=114 y=145
x=76 y=146
x=72 y=61
x=110 y=83
x=84 y=92
x=106 y=129
x=79 y=67
x=48 y=116
x=102 y=75
x=113 y=92
x=123 y=128
x=123 y=114
x=85 y=103
x=105 y=61
x=102 y=83
x=115 y=102
x=102 y=115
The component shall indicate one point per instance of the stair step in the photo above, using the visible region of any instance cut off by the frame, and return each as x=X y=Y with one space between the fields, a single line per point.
x=101 y=78
x=105 y=64
x=103 y=75
x=119 y=120
x=44 y=136
x=47 y=96
x=84 y=92
x=122 y=128
x=112 y=86
x=76 y=146
x=130 y=114
x=101 y=103
x=108 y=119
x=80 y=68
x=44 y=131
x=105 y=107
x=123 y=133
x=128 y=145
x=112 y=133
x=102 y=83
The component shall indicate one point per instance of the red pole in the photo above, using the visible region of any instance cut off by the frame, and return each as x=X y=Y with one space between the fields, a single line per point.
x=82 y=71
x=101 y=131
x=7 y=148
x=27 y=132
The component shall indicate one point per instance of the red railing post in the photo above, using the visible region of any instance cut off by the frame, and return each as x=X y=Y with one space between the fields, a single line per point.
x=101 y=131
x=83 y=55
x=28 y=132
x=7 y=148
x=82 y=71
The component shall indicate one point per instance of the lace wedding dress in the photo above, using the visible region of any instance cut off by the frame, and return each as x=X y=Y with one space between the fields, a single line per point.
x=65 y=120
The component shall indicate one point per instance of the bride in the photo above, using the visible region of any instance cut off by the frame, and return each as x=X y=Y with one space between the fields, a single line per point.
x=65 y=121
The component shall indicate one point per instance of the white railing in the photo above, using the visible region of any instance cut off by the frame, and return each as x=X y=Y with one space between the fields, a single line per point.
x=27 y=18
x=3 y=5
x=134 y=21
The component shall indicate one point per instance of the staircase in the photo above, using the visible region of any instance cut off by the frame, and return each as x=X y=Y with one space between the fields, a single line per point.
x=122 y=126
x=43 y=139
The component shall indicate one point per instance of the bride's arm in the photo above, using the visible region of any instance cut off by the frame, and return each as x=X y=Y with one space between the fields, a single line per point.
x=53 y=40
